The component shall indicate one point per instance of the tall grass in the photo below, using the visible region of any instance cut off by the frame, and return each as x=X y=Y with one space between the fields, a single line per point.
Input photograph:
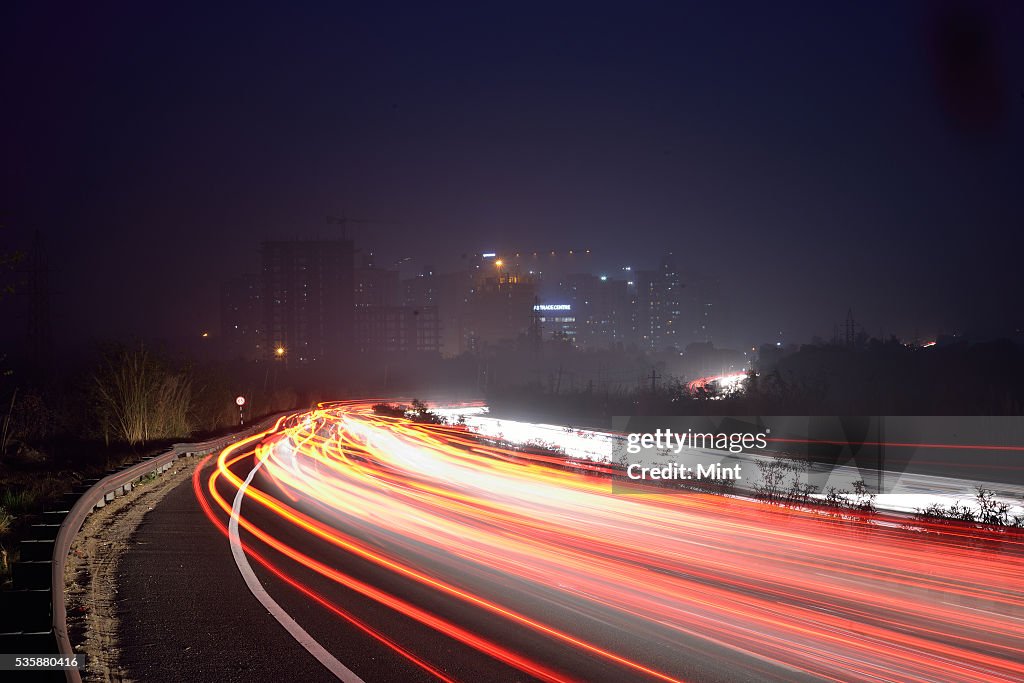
x=19 y=502
x=7 y=558
x=6 y=520
x=142 y=399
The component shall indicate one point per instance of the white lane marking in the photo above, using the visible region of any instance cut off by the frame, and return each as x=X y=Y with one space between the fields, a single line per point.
x=341 y=672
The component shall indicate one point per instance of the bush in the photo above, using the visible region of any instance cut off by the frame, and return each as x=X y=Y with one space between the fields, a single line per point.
x=417 y=412
x=863 y=499
x=773 y=478
x=389 y=410
x=990 y=512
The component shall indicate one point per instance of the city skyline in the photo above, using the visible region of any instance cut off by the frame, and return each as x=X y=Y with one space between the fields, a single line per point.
x=495 y=301
x=321 y=300
x=698 y=293
x=810 y=169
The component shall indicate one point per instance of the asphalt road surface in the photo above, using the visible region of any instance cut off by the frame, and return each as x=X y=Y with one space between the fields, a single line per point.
x=376 y=549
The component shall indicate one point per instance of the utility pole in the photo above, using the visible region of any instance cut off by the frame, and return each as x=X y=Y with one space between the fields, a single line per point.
x=654 y=381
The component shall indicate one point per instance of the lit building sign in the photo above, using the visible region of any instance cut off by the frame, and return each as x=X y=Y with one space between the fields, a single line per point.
x=552 y=307
x=489 y=254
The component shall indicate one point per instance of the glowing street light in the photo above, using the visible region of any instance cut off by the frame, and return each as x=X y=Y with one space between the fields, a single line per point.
x=279 y=351
x=499 y=263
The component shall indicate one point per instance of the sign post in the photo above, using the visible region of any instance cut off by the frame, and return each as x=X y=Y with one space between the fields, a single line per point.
x=240 y=401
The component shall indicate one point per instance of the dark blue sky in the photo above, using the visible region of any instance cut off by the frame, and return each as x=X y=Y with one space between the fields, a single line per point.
x=814 y=156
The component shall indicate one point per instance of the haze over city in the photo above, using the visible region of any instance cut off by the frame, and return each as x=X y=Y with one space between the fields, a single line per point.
x=863 y=157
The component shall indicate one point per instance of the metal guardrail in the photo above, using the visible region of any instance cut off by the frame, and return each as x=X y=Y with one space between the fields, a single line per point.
x=97 y=495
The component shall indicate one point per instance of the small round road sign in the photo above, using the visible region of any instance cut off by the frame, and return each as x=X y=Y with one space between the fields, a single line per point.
x=240 y=400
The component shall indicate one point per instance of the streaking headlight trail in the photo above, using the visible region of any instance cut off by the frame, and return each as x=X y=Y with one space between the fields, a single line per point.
x=540 y=568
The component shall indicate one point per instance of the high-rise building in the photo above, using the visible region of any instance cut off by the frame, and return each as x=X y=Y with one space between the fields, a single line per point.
x=376 y=287
x=394 y=317
x=241 y=314
x=499 y=310
x=555 y=322
x=602 y=308
x=453 y=292
x=396 y=330
x=707 y=312
x=308 y=300
x=421 y=290
x=422 y=295
x=658 y=306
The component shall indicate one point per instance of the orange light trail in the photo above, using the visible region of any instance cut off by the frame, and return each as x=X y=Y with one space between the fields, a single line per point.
x=782 y=592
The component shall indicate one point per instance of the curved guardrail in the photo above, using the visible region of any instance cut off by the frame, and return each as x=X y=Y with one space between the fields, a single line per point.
x=82 y=504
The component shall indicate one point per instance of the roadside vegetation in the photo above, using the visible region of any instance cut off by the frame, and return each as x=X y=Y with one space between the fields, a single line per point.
x=987 y=511
x=140 y=398
x=122 y=403
x=417 y=411
x=783 y=481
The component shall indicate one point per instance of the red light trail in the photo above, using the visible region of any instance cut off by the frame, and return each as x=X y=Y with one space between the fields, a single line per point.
x=778 y=592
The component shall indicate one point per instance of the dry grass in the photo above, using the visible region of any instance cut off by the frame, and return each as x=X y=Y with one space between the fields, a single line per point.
x=6 y=520
x=142 y=399
x=19 y=501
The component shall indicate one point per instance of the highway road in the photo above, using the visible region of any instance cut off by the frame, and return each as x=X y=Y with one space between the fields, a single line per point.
x=350 y=546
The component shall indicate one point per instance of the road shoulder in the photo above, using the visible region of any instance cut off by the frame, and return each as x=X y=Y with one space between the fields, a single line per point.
x=91 y=574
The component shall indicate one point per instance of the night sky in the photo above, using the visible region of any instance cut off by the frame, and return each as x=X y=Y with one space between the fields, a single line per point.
x=813 y=156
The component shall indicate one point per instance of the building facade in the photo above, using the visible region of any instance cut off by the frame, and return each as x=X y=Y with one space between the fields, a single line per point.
x=499 y=310
x=386 y=330
x=659 y=307
x=241 y=317
x=308 y=300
